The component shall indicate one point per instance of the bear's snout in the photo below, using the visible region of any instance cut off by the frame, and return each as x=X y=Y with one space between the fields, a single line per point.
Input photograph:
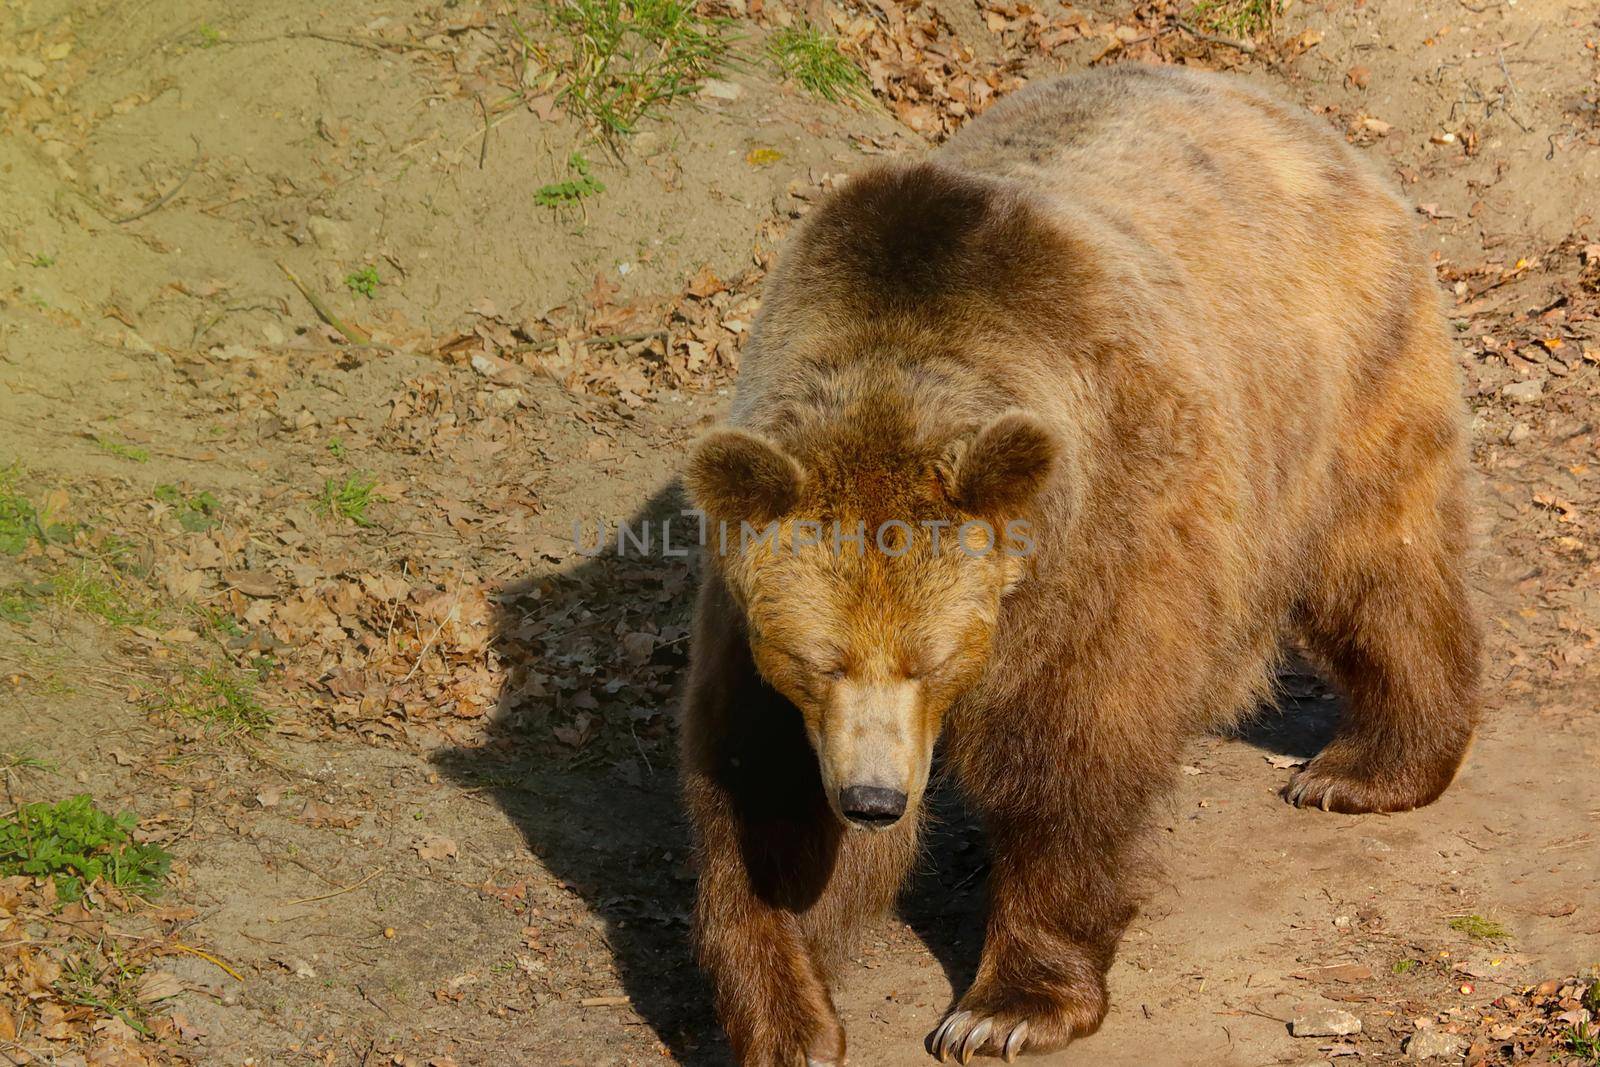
x=872 y=806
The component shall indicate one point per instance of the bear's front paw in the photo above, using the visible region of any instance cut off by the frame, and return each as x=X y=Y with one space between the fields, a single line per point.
x=785 y=1054
x=1343 y=781
x=826 y=1049
x=1005 y=1023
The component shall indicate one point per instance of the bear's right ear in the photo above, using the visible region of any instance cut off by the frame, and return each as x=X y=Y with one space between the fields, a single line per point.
x=736 y=476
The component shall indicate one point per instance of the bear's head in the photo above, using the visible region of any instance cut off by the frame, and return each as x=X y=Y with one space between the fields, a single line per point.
x=871 y=577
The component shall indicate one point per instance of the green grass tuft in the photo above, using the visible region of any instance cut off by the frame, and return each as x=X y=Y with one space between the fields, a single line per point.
x=196 y=513
x=364 y=282
x=1584 y=1042
x=133 y=452
x=111 y=986
x=89 y=589
x=19 y=602
x=628 y=56
x=23 y=760
x=219 y=697
x=1239 y=18
x=78 y=844
x=1479 y=927
x=349 y=499
x=1403 y=966
x=573 y=190
x=217 y=622
x=19 y=522
x=813 y=59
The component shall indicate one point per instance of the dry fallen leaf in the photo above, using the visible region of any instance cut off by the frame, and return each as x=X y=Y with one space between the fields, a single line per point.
x=159 y=985
x=1304 y=42
x=705 y=283
x=251 y=583
x=436 y=849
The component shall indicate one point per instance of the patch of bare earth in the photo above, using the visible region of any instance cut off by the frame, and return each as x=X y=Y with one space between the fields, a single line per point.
x=457 y=839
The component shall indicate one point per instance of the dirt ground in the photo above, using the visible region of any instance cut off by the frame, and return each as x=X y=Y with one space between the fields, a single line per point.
x=305 y=598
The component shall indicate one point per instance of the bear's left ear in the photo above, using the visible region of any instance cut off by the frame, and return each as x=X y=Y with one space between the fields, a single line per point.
x=736 y=476
x=999 y=470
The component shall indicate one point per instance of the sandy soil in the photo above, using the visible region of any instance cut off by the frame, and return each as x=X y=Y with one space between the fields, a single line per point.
x=457 y=842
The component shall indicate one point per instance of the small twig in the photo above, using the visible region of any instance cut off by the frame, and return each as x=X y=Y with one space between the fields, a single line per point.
x=1247 y=47
x=337 y=892
x=1510 y=81
x=428 y=644
x=638 y=745
x=376 y=44
x=1570 y=382
x=1252 y=1011
x=369 y=999
x=483 y=149
x=353 y=334
x=161 y=200
x=605 y=1002
x=208 y=957
x=603 y=339
x=261 y=940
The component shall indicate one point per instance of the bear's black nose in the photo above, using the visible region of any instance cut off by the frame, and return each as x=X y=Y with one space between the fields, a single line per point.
x=872 y=805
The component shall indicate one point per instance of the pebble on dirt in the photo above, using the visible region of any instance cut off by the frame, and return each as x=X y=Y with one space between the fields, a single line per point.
x=1330 y=1022
x=1433 y=1044
x=1524 y=392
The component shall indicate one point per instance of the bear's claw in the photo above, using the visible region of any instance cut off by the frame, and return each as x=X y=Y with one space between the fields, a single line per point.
x=1307 y=791
x=962 y=1034
x=1340 y=782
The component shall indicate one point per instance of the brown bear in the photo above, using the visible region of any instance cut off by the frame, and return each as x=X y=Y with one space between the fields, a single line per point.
x=1161 y=363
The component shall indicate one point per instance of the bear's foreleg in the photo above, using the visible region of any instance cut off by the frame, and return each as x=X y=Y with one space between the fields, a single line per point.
x=771 y=994
x=1064 y=814
x=782 y=882
x=777 y=904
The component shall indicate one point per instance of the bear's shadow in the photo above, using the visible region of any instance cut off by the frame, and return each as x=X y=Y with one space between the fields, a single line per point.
x=609 y=828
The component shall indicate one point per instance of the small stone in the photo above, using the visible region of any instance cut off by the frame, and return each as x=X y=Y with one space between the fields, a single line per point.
x=1433 y=1044
x=1524 y=392
x=1519 y=433
x=491 y=366
x=717 y=89
x=1330 y=1022
x=330 y=235
x=502 y=401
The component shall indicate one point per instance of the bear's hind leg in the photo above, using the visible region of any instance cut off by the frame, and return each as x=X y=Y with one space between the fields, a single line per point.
x=1392 y=622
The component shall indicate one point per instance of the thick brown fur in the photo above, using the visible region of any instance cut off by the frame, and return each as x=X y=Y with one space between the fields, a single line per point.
x=1182 y=330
